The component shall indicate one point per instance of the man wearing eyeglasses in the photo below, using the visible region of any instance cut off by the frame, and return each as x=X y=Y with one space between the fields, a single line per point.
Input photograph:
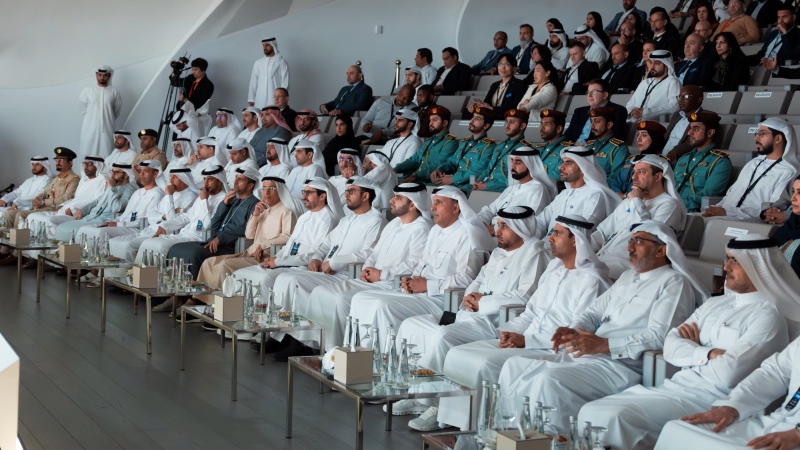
x=598 y=94
x=690 y=101
x=488 y=65
x=664 y=32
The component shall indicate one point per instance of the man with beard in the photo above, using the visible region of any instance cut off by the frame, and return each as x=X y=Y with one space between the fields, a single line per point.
x=308 y=130
x=551 y=131
x=148 y=138
x=558 y=48
x=251 y=123
x=379 y=120
x=495 y=177
x=766 y=178
x=269 y=73
x=100 y=105
x=406 y=143
x=277 y=153
x=425 y=101
x=610 y=152
x=305 y=169
x=22 y=197
x=522 y=52
x=689 y=102
x=269 y=129
x=658 y=94
x=704 y=171
x=435 y=151
x=472 y=155
x=124 y=150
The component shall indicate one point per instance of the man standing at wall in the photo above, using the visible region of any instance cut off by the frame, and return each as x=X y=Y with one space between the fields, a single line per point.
x=269 y=73
x=100 y=106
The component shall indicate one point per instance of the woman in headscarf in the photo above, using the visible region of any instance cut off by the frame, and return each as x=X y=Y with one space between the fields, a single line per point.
x=345 y=138
x=788 y=235
x=730 y=65
x=595 y=21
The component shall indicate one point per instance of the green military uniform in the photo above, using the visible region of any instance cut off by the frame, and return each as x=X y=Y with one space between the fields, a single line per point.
x=468 y=160
x=496 y=174
x=551 y=156
x=611 y=153
x=433 y=153
x=700 y=173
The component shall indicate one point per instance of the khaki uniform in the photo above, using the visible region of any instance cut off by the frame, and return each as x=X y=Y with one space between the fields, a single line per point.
x=153 y=153
x=60 y=189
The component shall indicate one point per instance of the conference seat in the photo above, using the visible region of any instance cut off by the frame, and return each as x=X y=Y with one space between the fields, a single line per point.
x=479 y=199
x=578 y=101
x=532 y=133
x=325 y=123
x=621 y=99
x=497 y=131
x=460 y=128
x=562 y=103
x=723 y=139
x=476 y=94
x=777 y=81
x=486 y=82
x=794 y=105
x=765 y=102
x=736 y=119
x=722 y=102
x=455 y=103
x=758 y=76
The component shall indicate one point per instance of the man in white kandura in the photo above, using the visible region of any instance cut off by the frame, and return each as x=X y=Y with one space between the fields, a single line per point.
x=377 y=169
x=508 y=279
x=658 y=94
x=22 y=197
x=241 y=155
x=185 y=123
x=226 y=127
x=766 y=178
x=277 y=157
x=406 y=143
x=606 y=343
x=652 y=197
x=725 y=340
x=309 y=134
x=269 y=73
x=586 y=195
x=208 y=154
x=100 y=107
x=305 y=169
x=528 y=184
x=572 y=281
x=124 y=150
x=457 y=247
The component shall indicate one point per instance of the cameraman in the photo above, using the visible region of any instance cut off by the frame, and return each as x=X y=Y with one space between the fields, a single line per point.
x=196 y=88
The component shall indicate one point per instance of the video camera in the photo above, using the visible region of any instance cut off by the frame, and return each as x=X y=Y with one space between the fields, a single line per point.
x=178 y=66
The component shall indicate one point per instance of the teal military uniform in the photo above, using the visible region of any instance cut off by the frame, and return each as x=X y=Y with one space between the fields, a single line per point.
x=623 y=180
x=611 y=153
x=433 y=153
x=701 y=173
x=496 y=174
x=471 y=158
x=551 y=156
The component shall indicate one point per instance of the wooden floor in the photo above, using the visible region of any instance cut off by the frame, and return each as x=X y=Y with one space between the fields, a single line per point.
x=81 y=388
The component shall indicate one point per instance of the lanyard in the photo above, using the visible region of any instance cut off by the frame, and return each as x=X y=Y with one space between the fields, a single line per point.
x=650 y=90
x=395 y=145
x=229 y=216
x=689 y=172
x=753 y=183
x=300 y=138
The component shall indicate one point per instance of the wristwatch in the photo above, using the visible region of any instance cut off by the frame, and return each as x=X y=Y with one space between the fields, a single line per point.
x=797 y=428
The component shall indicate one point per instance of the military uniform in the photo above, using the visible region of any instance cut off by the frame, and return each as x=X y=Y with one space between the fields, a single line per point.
x=496 y=174
x=471 y=158
x=611 y=153
x=700 y=173
x=434 y=152
x=551 y=156
x=623 y=181
x=148 y=155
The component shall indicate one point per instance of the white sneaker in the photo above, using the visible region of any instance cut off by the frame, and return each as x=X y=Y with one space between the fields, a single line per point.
x=406 y=407
x=88 y=278
x=427 y=421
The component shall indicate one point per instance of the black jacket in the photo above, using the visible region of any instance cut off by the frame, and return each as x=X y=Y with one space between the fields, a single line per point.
x=738 y=73
x=622 y=78
x=581 y=115
x=359 y=99
x=289 y=115
x=457 y=80
x=514 y=93
x=587 y=71
x=670 y=40
x=200 y=95
x=698 y=74
x=789 y=47
x=768 y=14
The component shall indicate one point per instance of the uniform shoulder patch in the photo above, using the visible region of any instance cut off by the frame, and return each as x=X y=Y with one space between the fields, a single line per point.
x=719 y=153
x=567 y=144
x=449 y=136
x=465 y=139
x=539 y=145
x=630 y=158
x=590 y=142
x=616 y=141
x=526 y=143
x=488 y=140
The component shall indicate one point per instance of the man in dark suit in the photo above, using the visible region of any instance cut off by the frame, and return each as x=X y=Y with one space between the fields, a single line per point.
x=453 y=75
x=523 y=51
x=695 y=69
x=618 y=72
x=628 y=7
x=579 y=70
x=628 y=36
x=690 y=101
x=781 y=42
x=664 y=32
x=683 y=8
x=488 y=65
x=356 y=96
x=597 y=95
x=282 y=102
x=764 y=11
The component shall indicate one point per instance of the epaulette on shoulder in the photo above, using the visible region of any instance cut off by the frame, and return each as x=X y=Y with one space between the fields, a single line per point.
x=616 y=142
x=465 y=139
x=449 y=136
x=488 y=140
x=567 y=144
x=719 y=153
x=526 y=143
x=590 y=142
x=539 y=145
x=630 y=158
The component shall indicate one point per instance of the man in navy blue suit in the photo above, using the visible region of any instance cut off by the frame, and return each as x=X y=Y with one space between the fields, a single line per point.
x=488 y=65
x=597 y=95
x=356 y=96
x=695 y=69
x=453 y=75
x=782 y=42
x=523 y=51
x=628 y=7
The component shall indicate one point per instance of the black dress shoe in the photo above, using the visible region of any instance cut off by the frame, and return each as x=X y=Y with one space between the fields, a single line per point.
x=271 y=345
x=296 y=348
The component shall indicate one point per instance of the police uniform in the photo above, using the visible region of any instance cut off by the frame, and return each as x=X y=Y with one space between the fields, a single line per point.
x=496 y=174
x=611 y=153
x=432 y=154
x=551 y=156
x=60 y=189
x=701 y=173
x=470 y=158
x=150 y=154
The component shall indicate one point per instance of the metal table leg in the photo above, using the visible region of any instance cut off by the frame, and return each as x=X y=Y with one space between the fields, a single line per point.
x=102 y=304
x=68 y=289
x=389 y=406
x=39 y=271
x=321 y=352
x=183 y=337
x=263 y=340
x=234 y=357
x=289 y=400
x=135 y=304
x=19 y=271
x=174 y=316
x=149 y=330
x=359 y=424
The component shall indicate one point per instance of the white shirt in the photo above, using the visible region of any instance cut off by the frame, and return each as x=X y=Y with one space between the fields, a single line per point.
x=428 y=74
x=269 y=73
x=544 y=98
x=560 y=58
x=88 y=190
x=611 y=236
x=319 y=146
x=747 y=326
x=309 y=231
x=350 y=241
x=531 y=194
x=230 y=169
x=200 y=166
x=444 y=75
x=655 y=97
x=636 y=313
x=247 y=134
x=223 y=137
x=572 y=76
x=340 y=183
x=144 y=203
x=770 y=188
x=280 y=170
x=100 y=107
x=597 y=53
x=583 y=201
x=561 y=297
x=399 y=248
x=30 y=188
x=449 y=259
x=298 y=176
x=201 y=211
x=166 y=207
x=400 y=149
x=117 y=157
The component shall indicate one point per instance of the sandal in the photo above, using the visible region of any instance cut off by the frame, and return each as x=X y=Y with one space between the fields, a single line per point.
x=164 y=307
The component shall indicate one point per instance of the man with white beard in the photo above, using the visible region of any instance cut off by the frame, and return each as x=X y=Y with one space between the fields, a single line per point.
x=457 y=247
x=100 y=106
x=586 y=195
x=269 y=73
x=22 y=197
x=305 y=169
x=509 y=278
x=571 y=282
x=277 y=159
x=528 y=184
x=124 y=150
x=725 y=339
x=226 y=127
x=606 y=343
x=653 y=197
x=240 y=156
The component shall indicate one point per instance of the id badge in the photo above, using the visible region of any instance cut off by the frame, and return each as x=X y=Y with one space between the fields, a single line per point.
x=295 y=248
x=199 y=225
x=133 y=216
x=333 y=250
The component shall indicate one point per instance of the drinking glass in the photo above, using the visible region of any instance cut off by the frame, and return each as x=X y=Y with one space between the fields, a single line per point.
x=596 y=432
x=416 y=349
x=508 y=412
x=366 y=336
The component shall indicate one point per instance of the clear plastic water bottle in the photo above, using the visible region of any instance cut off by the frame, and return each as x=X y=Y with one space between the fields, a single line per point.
x=403 y=374
x=483 y=409
x=573 y=438
x=72 y=237
x=391 y=362
x=525 y=416
x=356 y=339
x=538 y=419
x=377 y=354
x=348 y=331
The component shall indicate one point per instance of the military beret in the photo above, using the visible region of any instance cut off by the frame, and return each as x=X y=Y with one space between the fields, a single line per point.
x=520 y=114
x=704 y=117
x=651 y=127
x=605 y=112
x=558 y=115
x=487 y=113
x=64 y=153
x=441 y=111
x=149 y=132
